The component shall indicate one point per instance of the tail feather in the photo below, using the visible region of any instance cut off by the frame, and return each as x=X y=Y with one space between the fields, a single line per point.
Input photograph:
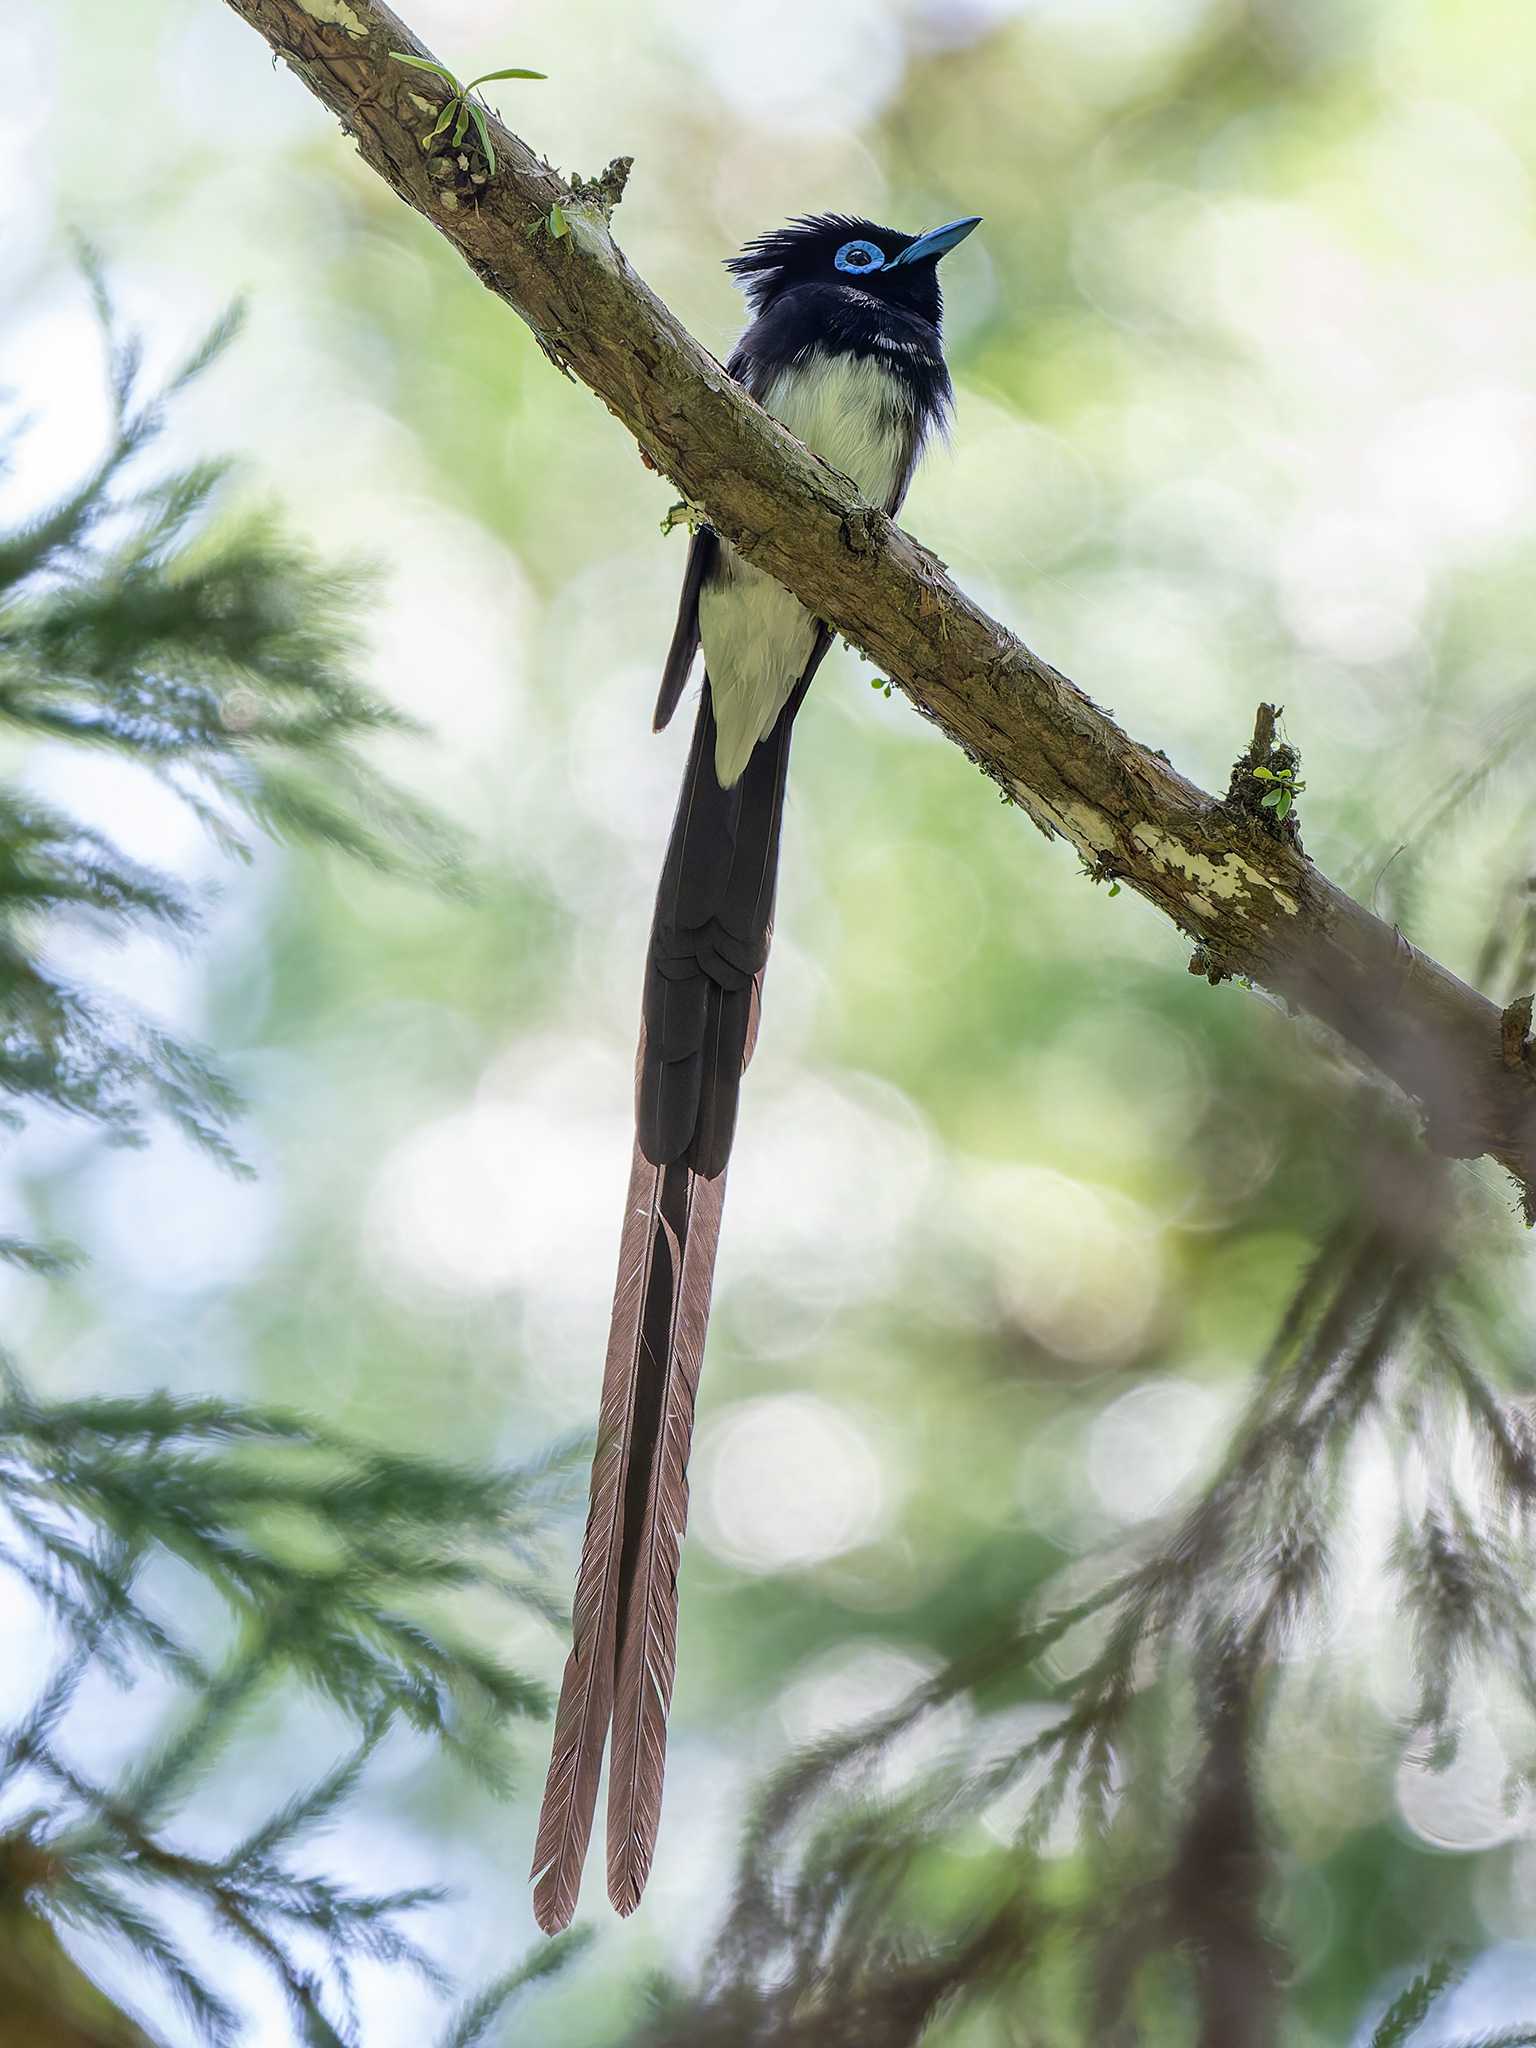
x=703 y=1000
x=586 y=1690
x=709 y=944
x=647 y=1618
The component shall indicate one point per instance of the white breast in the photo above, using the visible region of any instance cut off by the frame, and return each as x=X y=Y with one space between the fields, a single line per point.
x=852 y=412
x=756 y=637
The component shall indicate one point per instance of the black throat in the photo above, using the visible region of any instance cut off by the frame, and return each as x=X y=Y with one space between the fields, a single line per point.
x=841 y=319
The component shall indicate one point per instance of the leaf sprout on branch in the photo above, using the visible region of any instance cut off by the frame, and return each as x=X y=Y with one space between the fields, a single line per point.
x=458 y=107
x=1285 y=792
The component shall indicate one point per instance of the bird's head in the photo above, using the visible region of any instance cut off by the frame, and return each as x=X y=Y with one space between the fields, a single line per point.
x=833 y=248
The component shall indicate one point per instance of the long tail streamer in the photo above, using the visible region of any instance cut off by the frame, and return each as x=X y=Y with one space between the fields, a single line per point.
x=709 y=947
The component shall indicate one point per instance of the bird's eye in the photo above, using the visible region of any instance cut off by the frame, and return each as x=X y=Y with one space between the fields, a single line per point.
x=858 y=256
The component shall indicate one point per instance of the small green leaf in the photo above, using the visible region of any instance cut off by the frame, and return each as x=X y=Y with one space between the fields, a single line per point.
x=1283 y=808
x=1263 y=775
x=1114 y=888
x=423 y=64
x=486 y=77
x=442 y=122
x=484 y=134
x=461 y=126
x=1269 y=802
x=558 y=224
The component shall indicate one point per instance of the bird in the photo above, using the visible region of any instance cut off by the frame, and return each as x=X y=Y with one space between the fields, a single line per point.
x=843 y=347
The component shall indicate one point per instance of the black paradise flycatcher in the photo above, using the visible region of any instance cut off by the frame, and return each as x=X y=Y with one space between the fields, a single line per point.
x=845 y=349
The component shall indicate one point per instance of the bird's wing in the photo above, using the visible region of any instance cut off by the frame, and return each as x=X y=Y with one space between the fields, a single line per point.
x=904 y=477
x=702 y=552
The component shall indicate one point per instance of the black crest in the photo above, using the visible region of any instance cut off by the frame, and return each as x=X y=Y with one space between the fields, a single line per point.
x=806 y=252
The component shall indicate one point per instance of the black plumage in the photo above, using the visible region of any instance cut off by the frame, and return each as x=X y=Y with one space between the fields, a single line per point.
x=844 y=347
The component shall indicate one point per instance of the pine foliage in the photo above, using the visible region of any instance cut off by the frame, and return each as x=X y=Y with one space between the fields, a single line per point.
x=217 y=655
x=330 y=1558
x=1163 y=1682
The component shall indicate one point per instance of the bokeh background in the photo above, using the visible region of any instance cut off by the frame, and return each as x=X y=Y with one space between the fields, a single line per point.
x=1246 y=363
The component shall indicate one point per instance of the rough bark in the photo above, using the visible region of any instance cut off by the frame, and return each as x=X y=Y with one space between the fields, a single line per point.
x=1227 y=873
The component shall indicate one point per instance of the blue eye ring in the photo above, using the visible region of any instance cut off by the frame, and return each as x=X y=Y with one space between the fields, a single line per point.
x=862 y=259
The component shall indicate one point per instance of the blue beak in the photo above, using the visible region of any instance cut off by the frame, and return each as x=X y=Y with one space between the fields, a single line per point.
x=937 y=242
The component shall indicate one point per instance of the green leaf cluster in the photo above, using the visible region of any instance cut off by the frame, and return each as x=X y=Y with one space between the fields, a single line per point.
x=459 y=110
x=217 y=655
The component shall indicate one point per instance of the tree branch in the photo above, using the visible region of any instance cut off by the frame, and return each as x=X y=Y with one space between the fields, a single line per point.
x=1231 y=875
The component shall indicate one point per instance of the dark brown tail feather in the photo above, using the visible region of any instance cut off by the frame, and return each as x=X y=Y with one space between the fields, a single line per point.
x=709 y=947
x=586 y=1691
x=655 y=1517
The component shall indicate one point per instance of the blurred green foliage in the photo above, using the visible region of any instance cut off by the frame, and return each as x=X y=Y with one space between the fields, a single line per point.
x=1243 y=354
x=218 y=660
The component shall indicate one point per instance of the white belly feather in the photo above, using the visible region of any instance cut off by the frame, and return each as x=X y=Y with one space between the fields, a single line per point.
x=756 y=637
